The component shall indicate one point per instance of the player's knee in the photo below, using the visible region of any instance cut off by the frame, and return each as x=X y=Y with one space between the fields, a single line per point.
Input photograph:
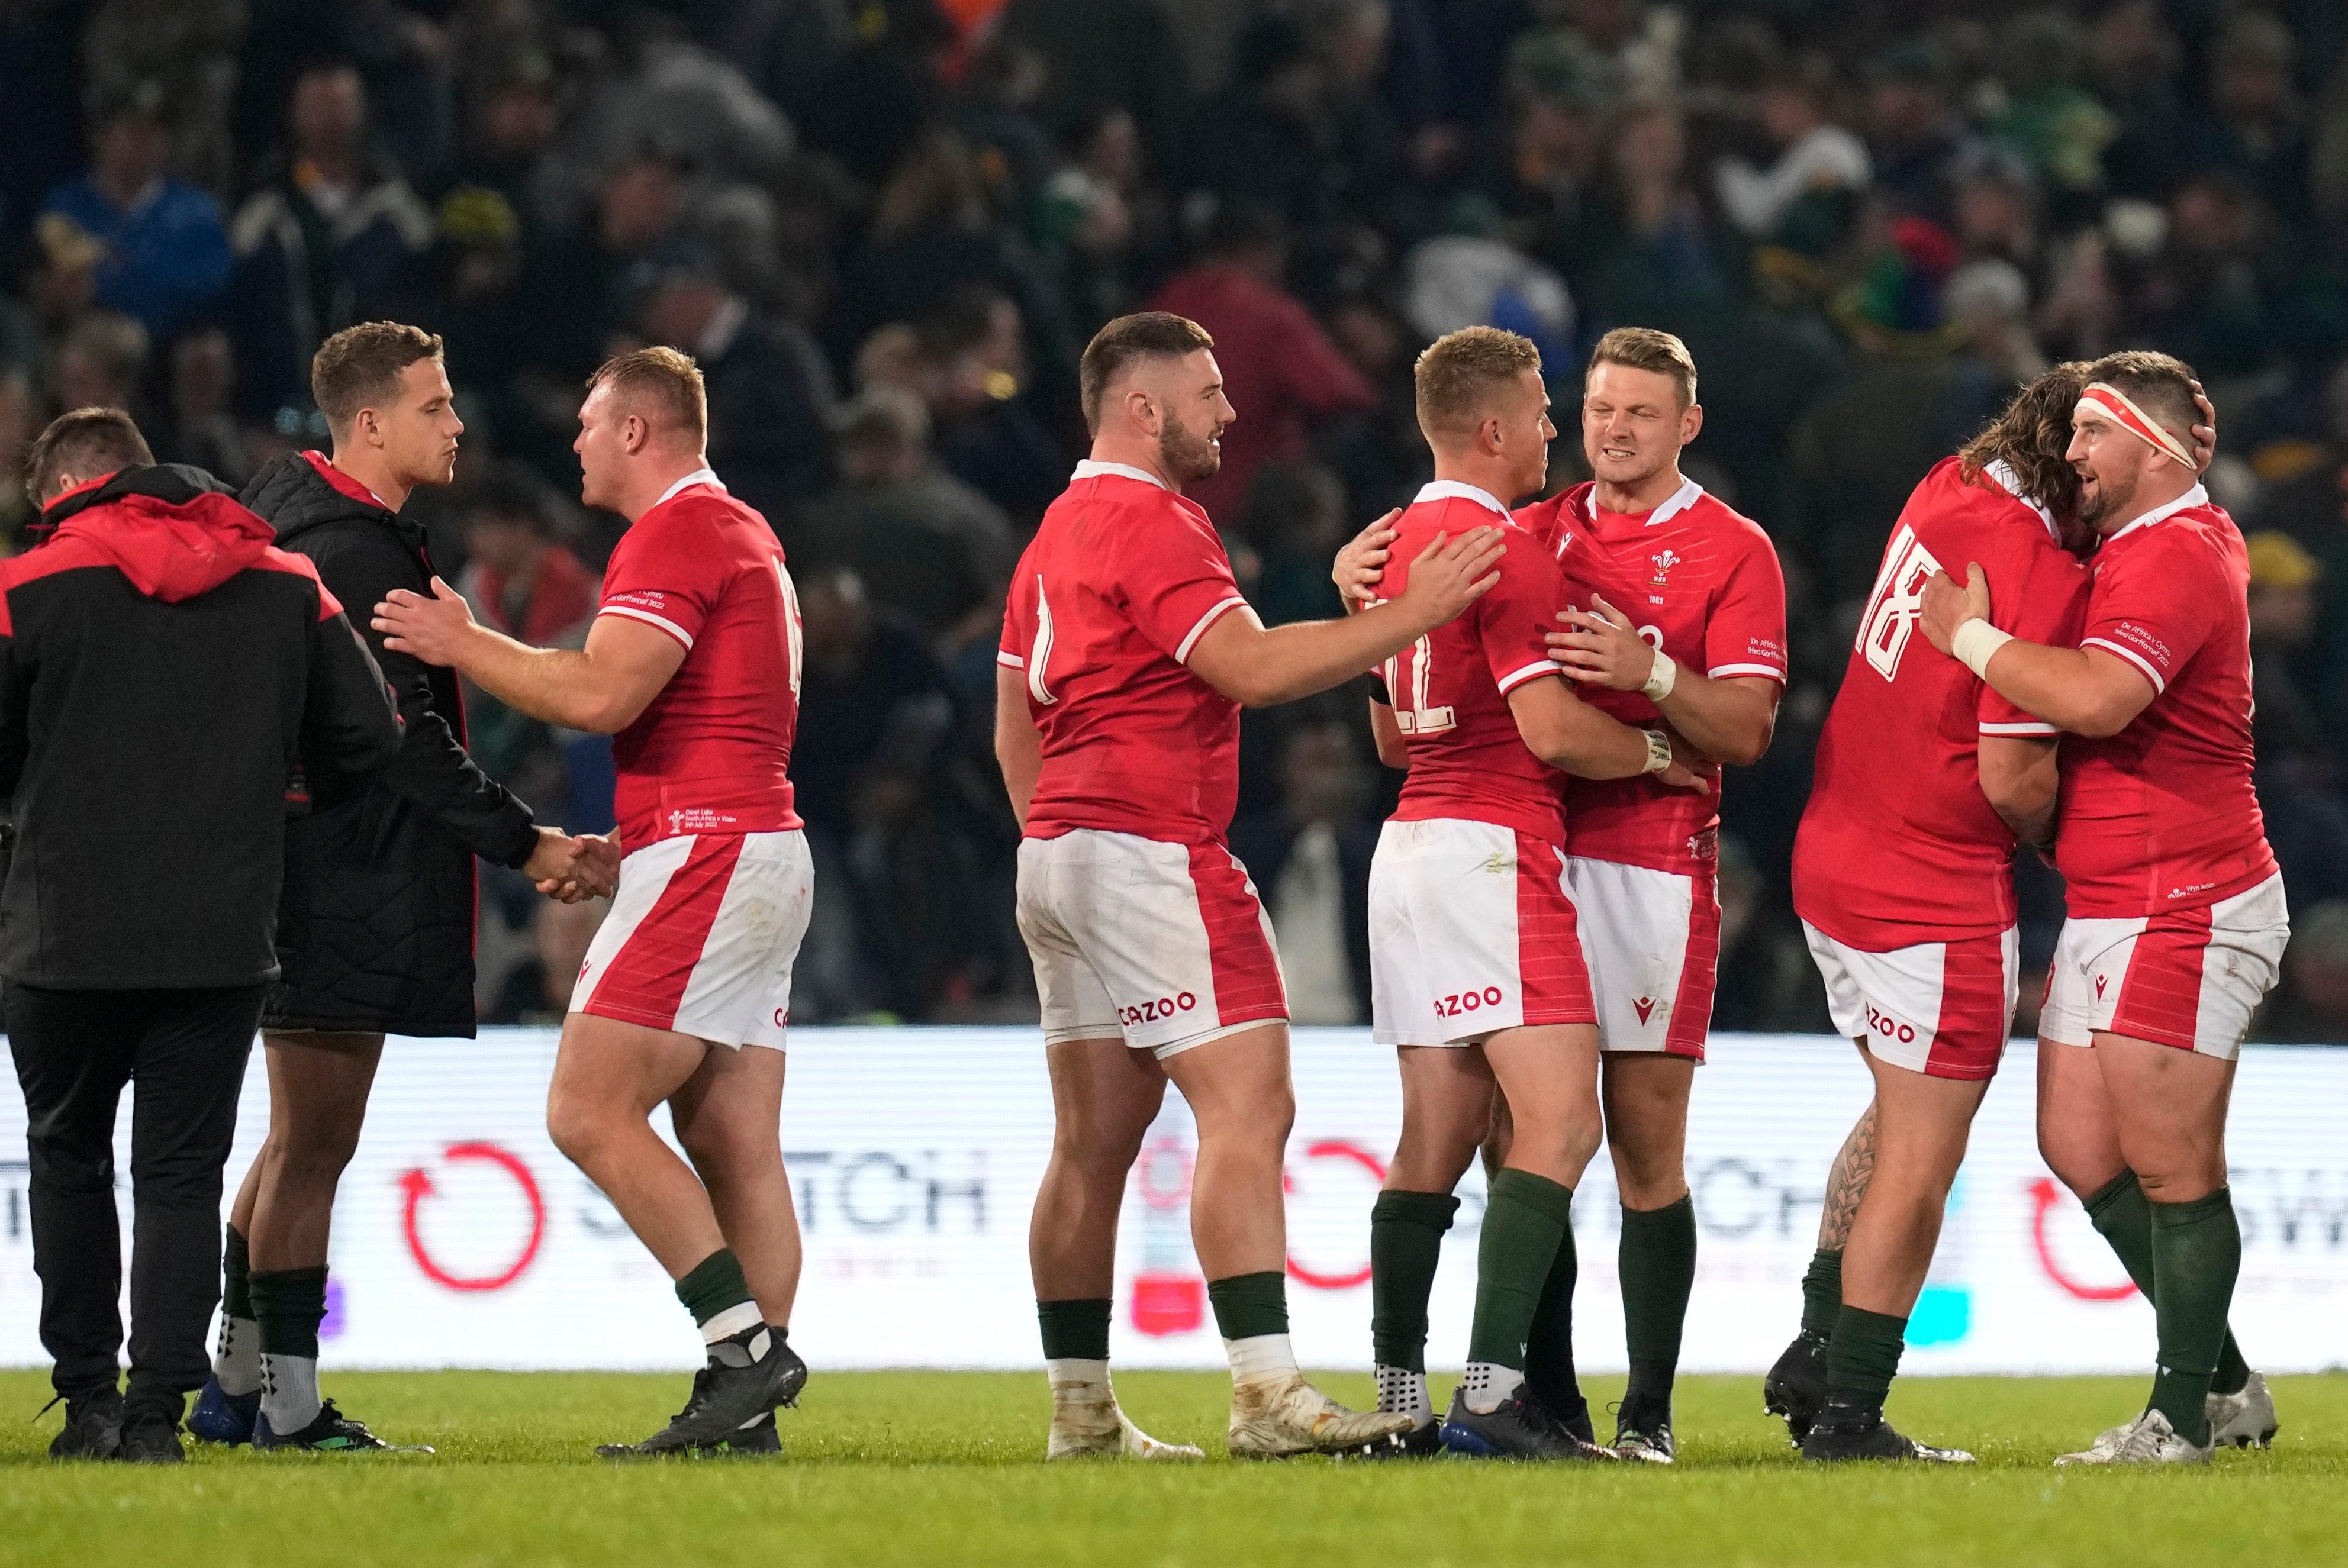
x=576 y=1127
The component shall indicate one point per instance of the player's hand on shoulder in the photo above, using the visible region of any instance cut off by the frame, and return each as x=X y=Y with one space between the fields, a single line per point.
x=1451 y=574
x=1600 y=647
x=1948 y=604
x=1362 y=561
x=427 y=629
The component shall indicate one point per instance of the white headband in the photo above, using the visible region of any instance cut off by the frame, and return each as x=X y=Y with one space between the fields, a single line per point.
x=2117 y=405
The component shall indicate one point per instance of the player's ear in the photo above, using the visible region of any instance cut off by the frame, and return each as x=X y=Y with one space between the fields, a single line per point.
x=1691 y=423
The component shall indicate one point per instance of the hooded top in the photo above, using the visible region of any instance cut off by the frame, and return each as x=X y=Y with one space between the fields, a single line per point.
x=163 y=672
x=380 y=893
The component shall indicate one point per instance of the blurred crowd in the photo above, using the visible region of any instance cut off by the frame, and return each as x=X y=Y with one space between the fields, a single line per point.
x=885 y=228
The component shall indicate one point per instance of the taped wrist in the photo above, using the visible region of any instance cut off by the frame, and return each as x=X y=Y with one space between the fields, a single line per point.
x=1974 y=643
x=1659 y=751
x=1661 y=679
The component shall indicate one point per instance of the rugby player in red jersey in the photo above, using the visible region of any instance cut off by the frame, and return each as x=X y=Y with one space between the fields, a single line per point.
x=1476 y=975
x=2176 y=922
x=693 y=665
x=1127 y=654
x=1925 y=780
x=1705 y=656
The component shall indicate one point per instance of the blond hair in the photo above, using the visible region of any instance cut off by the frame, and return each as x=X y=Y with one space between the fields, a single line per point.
x=662 y=386
x=1645 y=348
x=1459 y=374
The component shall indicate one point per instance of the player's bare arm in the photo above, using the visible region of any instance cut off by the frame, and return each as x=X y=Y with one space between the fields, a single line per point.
x=1573 y=737
x=1730 y=718
x=1018 y=749
x=601 y=688
x=1257 y=666
x=2080 y=691
x=1393 y=750
x=2019 y=778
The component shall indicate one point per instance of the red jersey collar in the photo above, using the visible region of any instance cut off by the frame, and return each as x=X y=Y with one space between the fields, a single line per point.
x=2198 y=496
x=346 y=484
x=1680 y=500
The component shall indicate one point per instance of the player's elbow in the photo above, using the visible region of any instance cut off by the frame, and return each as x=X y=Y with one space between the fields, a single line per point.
x=1749 y=745
x=1394 y=750
x=2101 y=718
x=605 y=712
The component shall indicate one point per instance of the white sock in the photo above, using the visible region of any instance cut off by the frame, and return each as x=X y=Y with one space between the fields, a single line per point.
x=1403 y=1392
x=237 y=1362
x=1074 y=1377
x=1260 y=1356
x=289 y=1391
x=1489 y=1385
x=730 y=1322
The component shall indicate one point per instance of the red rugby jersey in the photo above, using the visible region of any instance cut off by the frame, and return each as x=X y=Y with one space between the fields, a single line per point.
x=1121 y=581
x=1701 y=582
x=709 y=754
x=1450 y=688
x=1899 y=847
x=2162 y=815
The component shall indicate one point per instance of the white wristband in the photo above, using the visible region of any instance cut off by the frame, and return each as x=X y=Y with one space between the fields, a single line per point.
x=1659 y=750
x=1660 y=679
x=1975 y=641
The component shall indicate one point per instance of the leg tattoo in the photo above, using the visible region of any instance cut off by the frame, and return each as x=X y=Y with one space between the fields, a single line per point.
x=1846 y=1183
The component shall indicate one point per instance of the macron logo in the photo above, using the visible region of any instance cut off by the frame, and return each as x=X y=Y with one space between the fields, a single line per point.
x=1646 y=1005
x=2099 y=987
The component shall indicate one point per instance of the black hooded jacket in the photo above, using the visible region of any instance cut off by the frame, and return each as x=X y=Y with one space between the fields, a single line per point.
x=162 y=672
x=377 y=932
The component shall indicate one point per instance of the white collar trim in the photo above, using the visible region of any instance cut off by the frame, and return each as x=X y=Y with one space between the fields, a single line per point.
x=2198 y=496
x=704 y=476
x=1453 y=490
x=1999 y=469
x=1686 y=496
x=1088 y=469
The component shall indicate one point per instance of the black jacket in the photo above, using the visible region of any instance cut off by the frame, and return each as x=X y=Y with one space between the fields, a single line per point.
x=377 y=928
x=162 y=672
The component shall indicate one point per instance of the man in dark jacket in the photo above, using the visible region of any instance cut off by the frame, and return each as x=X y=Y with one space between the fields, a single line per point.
x=162 y=672
x=377 y=931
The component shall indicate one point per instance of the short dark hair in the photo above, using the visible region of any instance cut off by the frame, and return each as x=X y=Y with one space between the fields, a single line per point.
x=2159 y=383
x=669 y=380
x=1457 y=374
x=1648 y=348
x=86 y=442
x=1126 y=341
x=359 y=367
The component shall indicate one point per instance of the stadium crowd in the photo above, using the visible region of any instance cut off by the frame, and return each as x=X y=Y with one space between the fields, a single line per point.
x=885 y=228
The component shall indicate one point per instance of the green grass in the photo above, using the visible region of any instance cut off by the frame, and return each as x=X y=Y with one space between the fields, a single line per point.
x=926 y=1468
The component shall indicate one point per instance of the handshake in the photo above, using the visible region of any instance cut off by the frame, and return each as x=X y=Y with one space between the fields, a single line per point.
x=569 y=869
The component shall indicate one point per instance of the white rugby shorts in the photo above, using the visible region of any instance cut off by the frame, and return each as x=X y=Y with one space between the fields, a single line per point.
x=701 y=938
x=1941 y=1009
x=1651 y=942
x=2187 y=977
x=1471 y=932
x=1166 y=945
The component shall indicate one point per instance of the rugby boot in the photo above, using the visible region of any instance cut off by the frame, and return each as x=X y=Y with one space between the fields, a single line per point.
x=331 y=1432
x=1849 y=1432
x=1423 y=1441
x=2148 y=1440
x=2245 y=1419
x=150 y=1434
x=93 y=1425
x=747 y=1375
x=1518 y=1429
x=1796 y=1386
x=1643 y=1431
x=758 y=1439
x=1086 y=1423
x=220 y=1416
x=1281 y=1415
x=1574 y=1418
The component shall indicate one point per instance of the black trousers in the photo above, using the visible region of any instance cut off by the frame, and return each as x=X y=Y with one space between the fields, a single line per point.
x=184 y=1053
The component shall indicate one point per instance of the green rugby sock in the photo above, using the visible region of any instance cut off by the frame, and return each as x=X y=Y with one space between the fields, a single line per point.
x=1076 y=1329
x=1524 y=1223
x=2196 y=1250
x=289 y=1304
x=1249 y=1305
x=236 y=1361
x=1548 y=1347
x=2122 y=1215
x=717 y=1296
x=1863 y=1357
x=1658 y=1271
x=1405 y=1245
x=1822 y=1293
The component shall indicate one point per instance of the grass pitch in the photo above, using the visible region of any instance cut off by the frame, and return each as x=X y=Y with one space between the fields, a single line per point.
x=892 y=1467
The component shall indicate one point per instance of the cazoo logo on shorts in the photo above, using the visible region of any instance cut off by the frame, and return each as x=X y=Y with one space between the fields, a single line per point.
x=1460 y=1002
x=1890 y=1027
x=1153 y=1012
